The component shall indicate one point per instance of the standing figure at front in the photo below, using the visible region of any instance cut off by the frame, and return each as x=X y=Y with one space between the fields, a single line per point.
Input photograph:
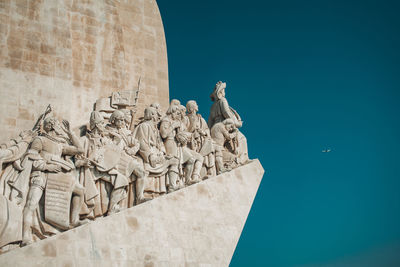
x=220 y=111
x=52 y=174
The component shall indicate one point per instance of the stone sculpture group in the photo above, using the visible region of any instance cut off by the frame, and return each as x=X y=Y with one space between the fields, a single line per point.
x=52 y=180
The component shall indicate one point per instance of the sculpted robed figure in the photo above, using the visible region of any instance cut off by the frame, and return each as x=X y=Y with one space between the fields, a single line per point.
x=52 y=181
x=220 y=111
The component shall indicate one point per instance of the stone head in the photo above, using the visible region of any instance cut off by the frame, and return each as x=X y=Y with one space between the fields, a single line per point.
x=229 y=125
x=49 y=124
x=192 y=106
x=117 y=119
x=155 y=105
x=219 y=91
x=182 y=110
x=175 y=102
x=150 y=113
x=128 y=116
x=96 y=121
x=174 y=112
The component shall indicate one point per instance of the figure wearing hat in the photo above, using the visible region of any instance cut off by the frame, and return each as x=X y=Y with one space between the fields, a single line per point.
x=220 y=111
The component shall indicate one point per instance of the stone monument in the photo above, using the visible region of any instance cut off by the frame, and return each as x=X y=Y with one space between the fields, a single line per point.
x=114 y=181
x=71 y=53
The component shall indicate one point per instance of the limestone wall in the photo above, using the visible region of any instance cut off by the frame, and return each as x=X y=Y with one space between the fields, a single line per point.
x=71 y=52
x=199 y=225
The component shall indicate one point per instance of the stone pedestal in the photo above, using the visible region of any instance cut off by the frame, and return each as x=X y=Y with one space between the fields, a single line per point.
x=199 y=225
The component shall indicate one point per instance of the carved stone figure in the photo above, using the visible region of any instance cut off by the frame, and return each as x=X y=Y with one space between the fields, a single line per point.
x=163 y=169
x=175 y=137
x=157 y=107
x=14 y=186
x=183 y=118
x=200 y=140
x=129 y=164
x=51 y=181
x=105 y=186
x=220 y=110
x=221 y=133
x=52 y=173
x=175 y=102
x=13 y=150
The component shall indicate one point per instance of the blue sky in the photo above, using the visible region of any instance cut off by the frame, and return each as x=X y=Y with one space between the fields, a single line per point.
x=304 y=76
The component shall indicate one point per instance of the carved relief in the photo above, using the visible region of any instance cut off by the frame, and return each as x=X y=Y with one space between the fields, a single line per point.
x=52 y=180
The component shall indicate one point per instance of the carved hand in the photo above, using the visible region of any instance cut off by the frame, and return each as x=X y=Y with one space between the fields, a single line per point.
x=17 y=165
x=53 y=168
x=181 y=139
x=176 y=124
x=168 y=157
x=131 y=151
x=232 y=135
x=83 y=163
x=87 y=163
x=115 y=137
x=66 y=127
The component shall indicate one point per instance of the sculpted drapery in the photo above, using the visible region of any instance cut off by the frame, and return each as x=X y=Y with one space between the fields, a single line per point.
x=52 y=181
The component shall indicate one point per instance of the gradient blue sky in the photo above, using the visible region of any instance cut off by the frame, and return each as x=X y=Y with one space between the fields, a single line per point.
x=304 y=76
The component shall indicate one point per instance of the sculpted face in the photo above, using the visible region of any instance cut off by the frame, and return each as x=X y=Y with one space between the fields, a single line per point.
x=182 y=112
x=222 y=93
x=154 y=116
x=119 y=122
x=101 y=127
x=128 y=118
x=176 y=115
x=230 y=127
x=48 y=124
x=192 y=106
x=117 y=119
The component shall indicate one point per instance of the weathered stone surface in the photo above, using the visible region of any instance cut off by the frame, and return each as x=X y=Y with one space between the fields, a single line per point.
x=199 y=225
x=70 y=53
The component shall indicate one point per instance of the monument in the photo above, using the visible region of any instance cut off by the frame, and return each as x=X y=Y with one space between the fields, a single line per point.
x=71 y=53
x=97 y=167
